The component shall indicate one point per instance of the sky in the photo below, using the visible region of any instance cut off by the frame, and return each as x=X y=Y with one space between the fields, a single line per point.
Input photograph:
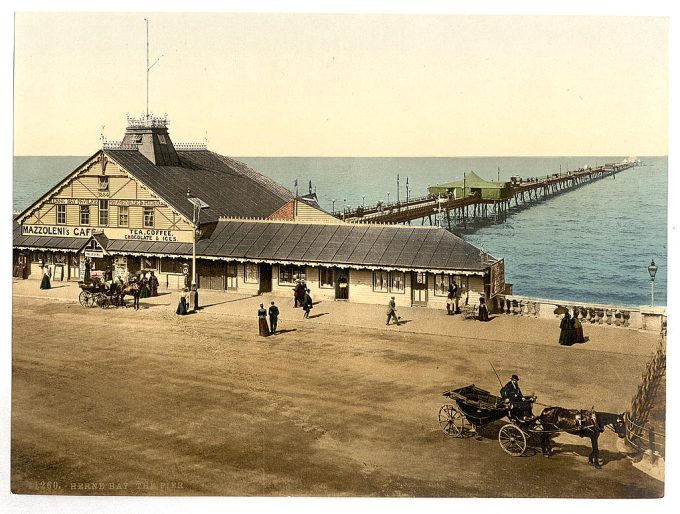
x=269 y=84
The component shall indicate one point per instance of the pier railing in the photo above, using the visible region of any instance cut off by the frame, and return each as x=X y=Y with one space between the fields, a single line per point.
x=641 y=318
x=641 y=434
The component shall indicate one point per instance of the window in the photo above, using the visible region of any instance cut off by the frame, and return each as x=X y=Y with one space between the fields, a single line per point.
x=103 y=213
x=137 y=140
x=442 y=281
x=380 y=281
x=149 y=263
x=396 y=282
x=123 y=216
x=441 y=284
x=161 y=139
x=172 y=265
x=84 y=214
x=37 y=257
x=103 y=183
x=326 y=277
x=148 y=216
x=61 y=215
x=388 y=281
x=289 y=274
x=251 y=273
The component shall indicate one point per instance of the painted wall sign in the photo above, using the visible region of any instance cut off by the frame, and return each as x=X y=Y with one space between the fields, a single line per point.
x=135 y=203
x=56 y=230
x=112 y=201
x=135 y=234
x=497 y=278
x=73 y=201
x=151 y=234
x=94 y=253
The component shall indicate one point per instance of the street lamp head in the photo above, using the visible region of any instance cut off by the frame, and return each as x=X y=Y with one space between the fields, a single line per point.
x=652 y=268
x=188 y=193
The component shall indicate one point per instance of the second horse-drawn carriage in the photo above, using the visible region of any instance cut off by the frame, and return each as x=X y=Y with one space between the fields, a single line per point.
x=473 y=407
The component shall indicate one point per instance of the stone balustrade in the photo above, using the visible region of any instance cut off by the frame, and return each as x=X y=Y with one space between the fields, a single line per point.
x=642 y=318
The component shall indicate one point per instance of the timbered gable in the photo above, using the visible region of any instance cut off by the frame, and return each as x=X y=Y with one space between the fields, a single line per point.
x=101 y=195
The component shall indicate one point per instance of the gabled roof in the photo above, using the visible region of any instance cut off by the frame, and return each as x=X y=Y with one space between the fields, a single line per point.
x=472 y=180
x=231 y=188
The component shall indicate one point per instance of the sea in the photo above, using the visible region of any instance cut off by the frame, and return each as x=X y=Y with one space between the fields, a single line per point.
x=590 y=245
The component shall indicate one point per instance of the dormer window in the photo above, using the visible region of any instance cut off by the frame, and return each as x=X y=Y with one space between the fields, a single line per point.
x=161 y=139
x=137 y=140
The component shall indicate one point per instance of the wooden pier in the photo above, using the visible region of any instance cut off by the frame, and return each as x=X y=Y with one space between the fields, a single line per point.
x=449 y=211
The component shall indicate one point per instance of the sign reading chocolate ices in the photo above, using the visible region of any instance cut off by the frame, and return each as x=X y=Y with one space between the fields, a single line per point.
x=151 y=234
x=134 y=234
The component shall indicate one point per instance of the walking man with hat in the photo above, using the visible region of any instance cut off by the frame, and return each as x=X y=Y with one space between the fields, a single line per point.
x=392 y=312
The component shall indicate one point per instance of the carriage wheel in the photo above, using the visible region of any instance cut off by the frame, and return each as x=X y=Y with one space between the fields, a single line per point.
x=102 y=301
x=512 y=440
x=451 y=421
x=84 y=298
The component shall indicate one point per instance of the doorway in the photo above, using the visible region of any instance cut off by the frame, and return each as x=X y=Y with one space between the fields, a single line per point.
x=342 y=285
x=419 y=289
x=265 y=278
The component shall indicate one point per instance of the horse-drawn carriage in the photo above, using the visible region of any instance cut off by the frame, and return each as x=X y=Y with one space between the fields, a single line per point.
x=99 y=294
x=475 y=407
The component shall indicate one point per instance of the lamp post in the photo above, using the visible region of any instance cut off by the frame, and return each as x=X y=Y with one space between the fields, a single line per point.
x=333 y=209
x=388 y=197
x=198 y=205
x=363 y=201
x=397 y=187
x=652 y=268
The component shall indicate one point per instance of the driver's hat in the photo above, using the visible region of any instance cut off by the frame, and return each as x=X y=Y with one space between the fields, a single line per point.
x=514 y=377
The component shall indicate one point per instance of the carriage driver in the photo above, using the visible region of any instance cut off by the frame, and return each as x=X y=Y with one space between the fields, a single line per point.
x=520 y=405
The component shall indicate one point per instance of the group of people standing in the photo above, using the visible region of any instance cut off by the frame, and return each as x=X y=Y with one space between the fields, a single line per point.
x=452 y=300
x=302 y=298
x=453 y=307
x=267 y=329
x=571 y=330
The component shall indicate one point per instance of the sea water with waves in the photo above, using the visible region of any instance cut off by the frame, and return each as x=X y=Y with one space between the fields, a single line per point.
x=592 y=244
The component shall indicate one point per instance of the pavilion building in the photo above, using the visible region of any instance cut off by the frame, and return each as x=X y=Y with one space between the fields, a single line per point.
x=128 y=208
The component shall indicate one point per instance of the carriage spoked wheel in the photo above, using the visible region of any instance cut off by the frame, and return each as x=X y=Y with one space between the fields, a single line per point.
x=87 y=299
x=512 y=440
x=102 y=301
x=451 y=421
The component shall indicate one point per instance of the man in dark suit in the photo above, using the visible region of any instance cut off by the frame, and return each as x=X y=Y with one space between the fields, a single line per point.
x=520 y=405
x=273 y=317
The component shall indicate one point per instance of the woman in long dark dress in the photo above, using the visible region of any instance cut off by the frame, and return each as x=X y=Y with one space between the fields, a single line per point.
x=263 y=326
x=578 y=330
x=566 y=331
x=45 y=283
x=483 y=311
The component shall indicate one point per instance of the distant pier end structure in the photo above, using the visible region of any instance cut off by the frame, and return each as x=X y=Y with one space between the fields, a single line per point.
x=130 y=208
x=474 y=200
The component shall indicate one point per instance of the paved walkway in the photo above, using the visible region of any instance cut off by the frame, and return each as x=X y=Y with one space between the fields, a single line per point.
x=504 y=328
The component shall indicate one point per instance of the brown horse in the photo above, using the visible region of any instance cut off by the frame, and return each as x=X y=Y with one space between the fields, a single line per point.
x=583 y=423
x=132 y=289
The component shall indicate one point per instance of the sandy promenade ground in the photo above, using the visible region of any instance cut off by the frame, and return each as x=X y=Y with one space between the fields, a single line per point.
x=145 y=402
